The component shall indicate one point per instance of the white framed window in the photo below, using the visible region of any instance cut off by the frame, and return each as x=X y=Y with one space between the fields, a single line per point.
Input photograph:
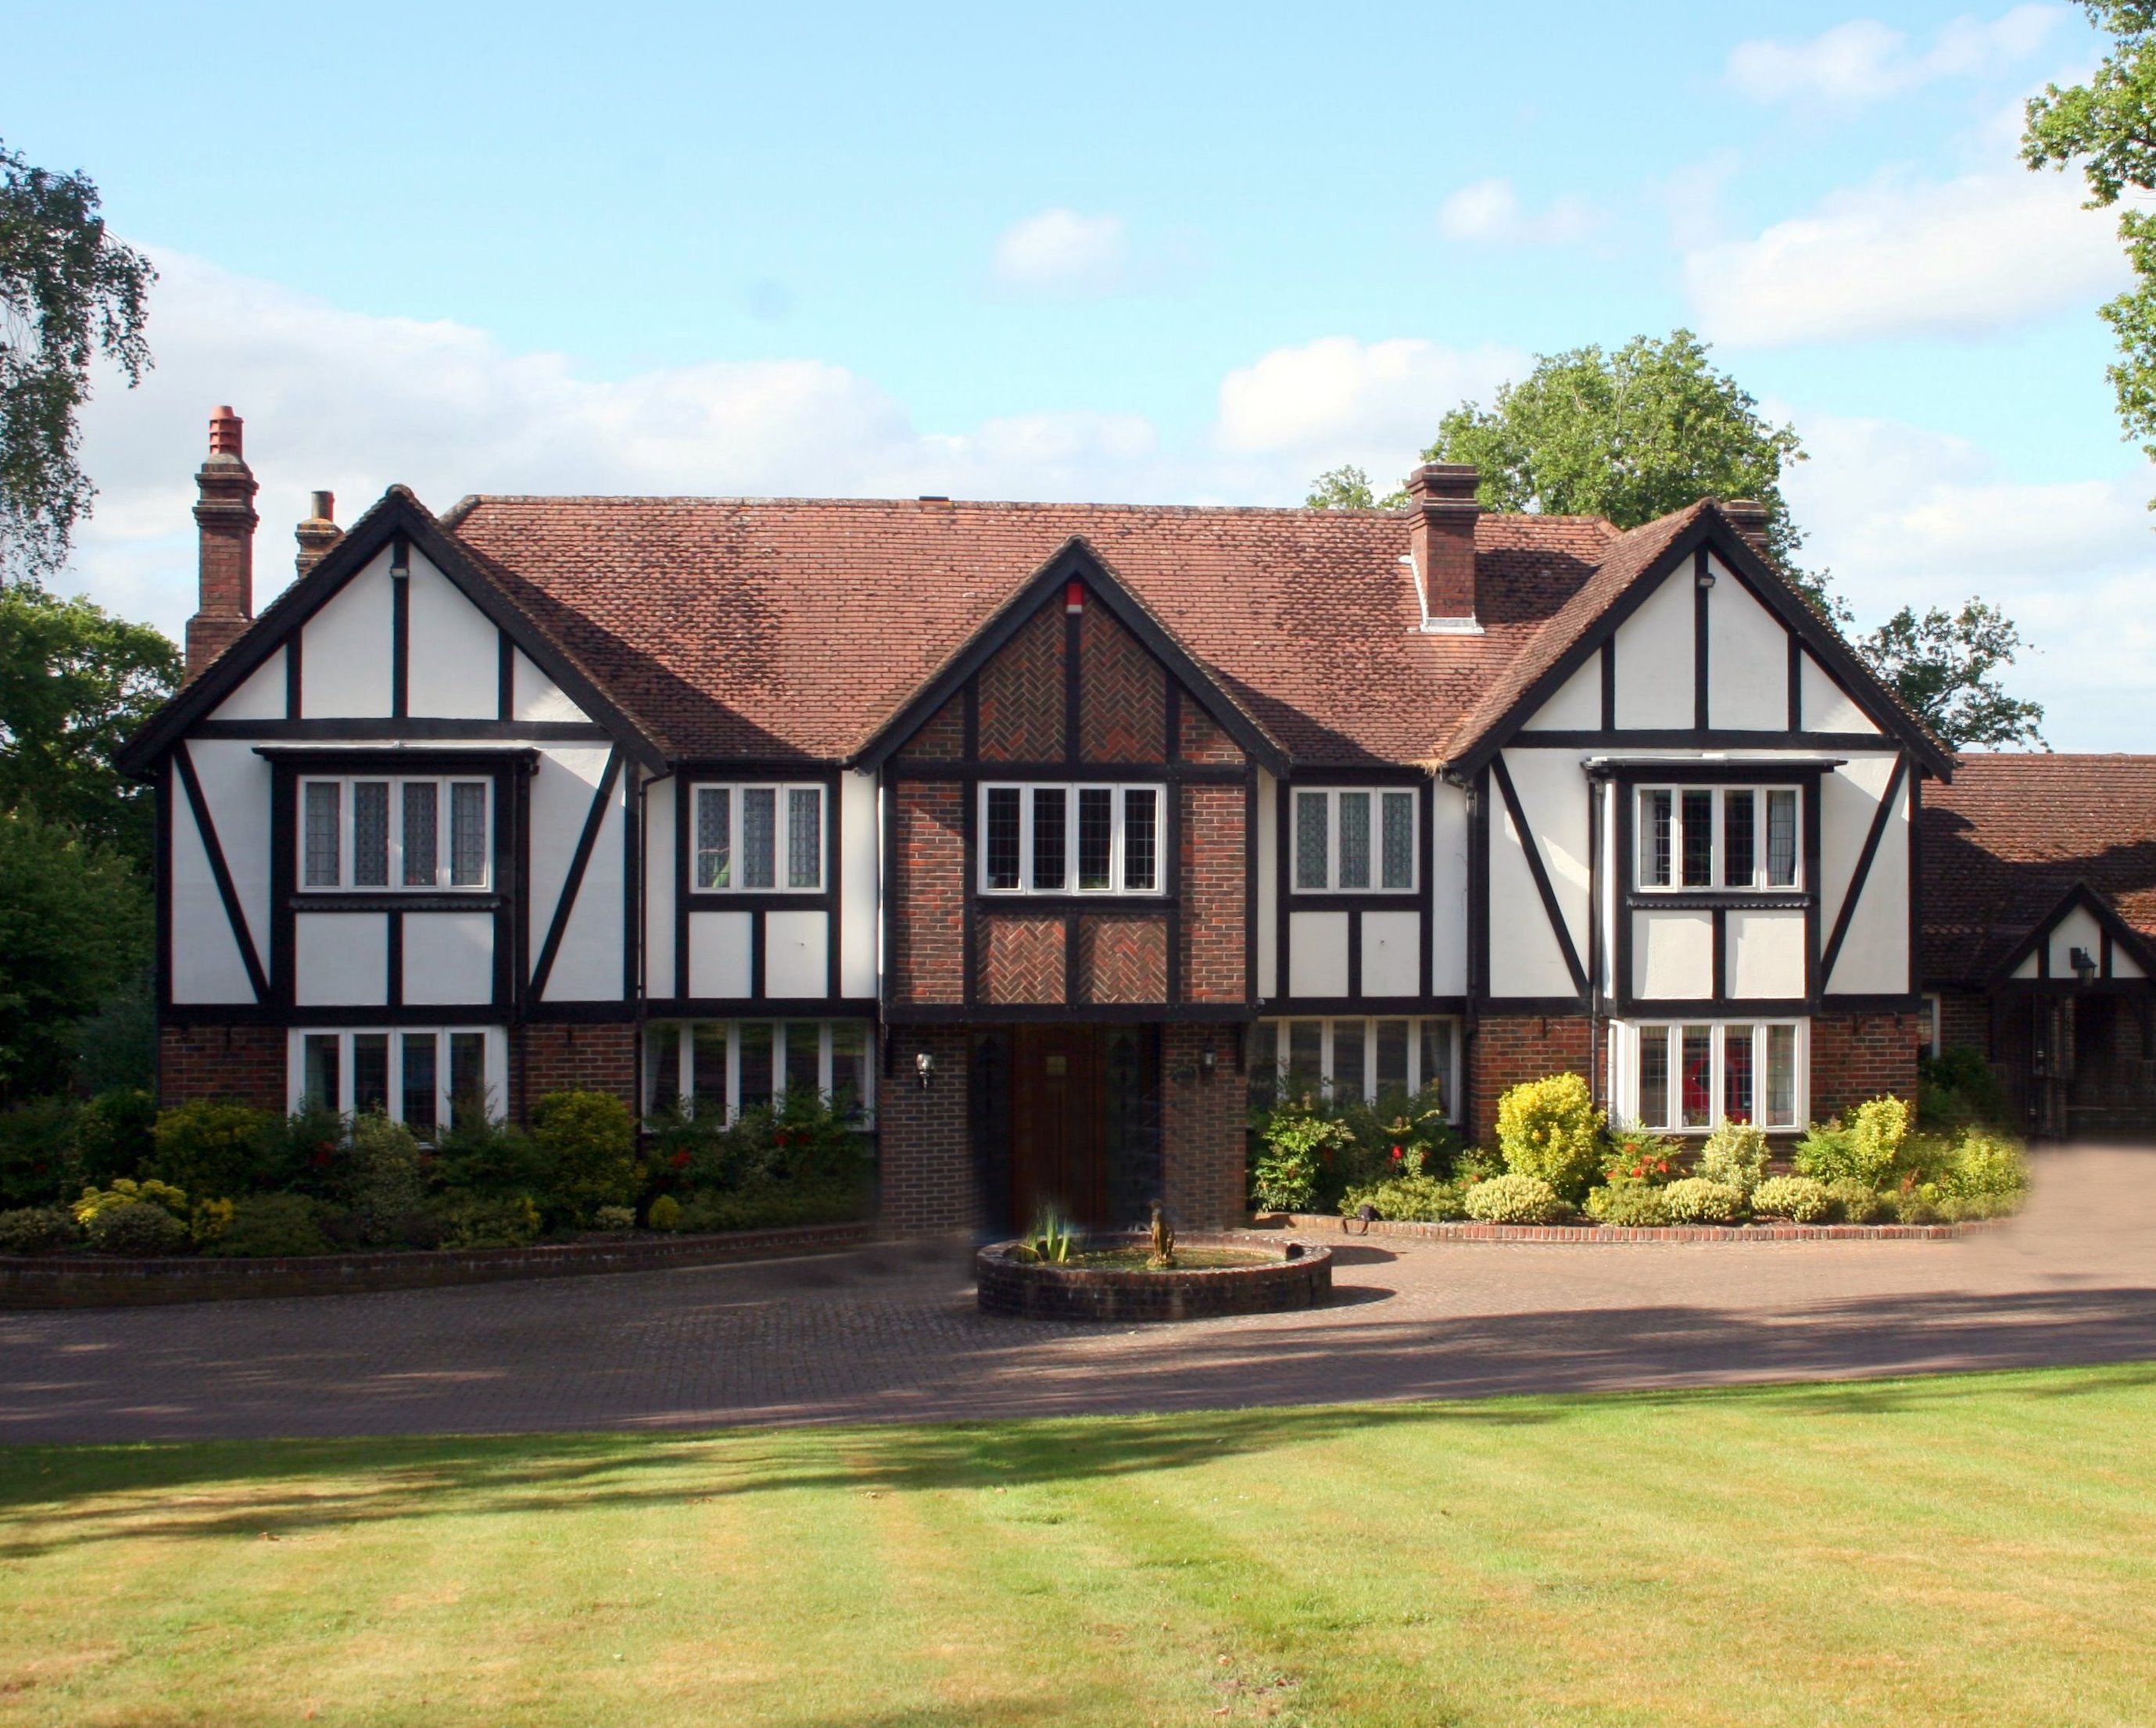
x=1718 y=837
x=738 y=1064
x=413 y=1075
x=1927 y=1025
x=1685 y=1076
x=1348 y=1058
x=1356 y=840
x=1085 y=838
x=392 y=832
x=756 y=839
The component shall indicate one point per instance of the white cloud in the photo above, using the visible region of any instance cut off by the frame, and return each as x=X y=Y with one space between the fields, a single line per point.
x=1336 y=399
x=1060 y=252
x=1489 y=211
x=1864 y=60
x=1902 y=257
x=1907 y=516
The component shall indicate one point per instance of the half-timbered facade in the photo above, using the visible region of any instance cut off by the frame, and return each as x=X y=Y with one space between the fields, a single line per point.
x=1032 y=829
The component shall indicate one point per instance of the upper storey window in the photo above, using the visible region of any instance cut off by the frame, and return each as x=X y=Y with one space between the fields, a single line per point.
x=1070 y=839
x=368 y=833
x=758 y=839
x=1709 y=837
x=1354 y=840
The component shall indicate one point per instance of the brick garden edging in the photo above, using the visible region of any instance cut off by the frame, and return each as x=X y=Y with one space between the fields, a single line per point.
x=94 y=1281
x=1299 y=1276
x=1597 y=1235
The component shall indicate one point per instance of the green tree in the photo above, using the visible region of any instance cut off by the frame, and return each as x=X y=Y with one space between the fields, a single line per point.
x=75 y=927
x=74 y=682
x=2108 y=125
x=1348 y=487
x=69 y=292
x=1944 y=665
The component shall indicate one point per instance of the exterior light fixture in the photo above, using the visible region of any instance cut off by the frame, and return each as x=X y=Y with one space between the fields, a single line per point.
x=2084 y=964
x=924 y=1066
x=1208 y=1060
x=1706 y=575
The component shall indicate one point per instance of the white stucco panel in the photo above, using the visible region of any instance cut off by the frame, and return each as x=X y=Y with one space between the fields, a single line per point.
x=1392 y=953
x=448 y=957
x=1747 y=660
x=1554 y=796
x=1318 y=953
x=718 y=953
x=1673 y=955
x=1447 y=888
x=347 y=648
x=796 y=954
x=1654 y=657
x=1826 y=707
x=658 y=888
x=1576 y=706
x=1849 y=798
x=261 y=697
x=1875 y=954
x=455 y=650
x=858 y=910
x=1767 y=954
x=537 y=696
x=236 y=786
x=205 y=959
x=2078 y=929
x=2125 y=965
x=1268 y=886
x=341 y=959
x=589 y=966
x=561 y=799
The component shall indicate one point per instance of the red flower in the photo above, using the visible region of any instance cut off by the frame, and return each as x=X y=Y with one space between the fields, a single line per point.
x=680 y=1159
x=1396 y=1154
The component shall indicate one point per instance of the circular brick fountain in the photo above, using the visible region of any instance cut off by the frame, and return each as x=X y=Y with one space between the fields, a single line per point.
x=1270 y=1276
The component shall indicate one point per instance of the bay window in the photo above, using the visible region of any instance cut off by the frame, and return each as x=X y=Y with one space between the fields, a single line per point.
x=415 y=1075
x=1683 y=1077
x=1711 y=837
x=1354 y=1057
x=727 y=1066
x=1070 y=839
x=370 y=832
x=1354 y=840
x=756 y=839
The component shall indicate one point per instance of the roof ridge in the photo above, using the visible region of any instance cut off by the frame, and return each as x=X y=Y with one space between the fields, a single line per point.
x=475 y=500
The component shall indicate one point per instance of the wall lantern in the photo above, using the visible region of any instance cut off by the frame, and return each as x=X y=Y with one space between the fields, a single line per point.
x=1706 y=578
x=924 y=1066
x=1208 y=1060
x=2084 y=965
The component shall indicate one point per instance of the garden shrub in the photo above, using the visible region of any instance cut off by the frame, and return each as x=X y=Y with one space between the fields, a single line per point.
x=1515 y=1199
x=590 y=1139
x=1855 y=1203
x=1638 y=1155
x=1550 y=1128
x=1422 y=1199
x=266 y=1225
x=1735 y=1155
x=665 y=1213
x=769 y=1206
x=614 y=1218
x=1399 y=1135
x=476 y=1156
x=1635 y=1205
x=474 y=1221
x=1866 y=1150
x=1957 y=1089
x=1695 y=1200
x=1985 y=1164
x=113 y=1135
x=37 y=1161
x=138 y=1227
x=308 y=1152
x=37 y=1230
x=124 y=1191
x=385 y=1190
x=1294 y=1143
x=1798 y=1198
x=212 y=1146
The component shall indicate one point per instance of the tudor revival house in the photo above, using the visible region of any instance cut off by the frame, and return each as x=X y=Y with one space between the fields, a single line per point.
x=1032 y=828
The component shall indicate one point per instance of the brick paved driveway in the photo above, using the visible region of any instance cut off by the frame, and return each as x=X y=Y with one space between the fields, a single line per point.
x=890 y=1333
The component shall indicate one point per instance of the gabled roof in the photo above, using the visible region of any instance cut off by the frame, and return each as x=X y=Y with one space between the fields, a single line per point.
x=397 y=512
x=2014 y=834
x=2098 y=906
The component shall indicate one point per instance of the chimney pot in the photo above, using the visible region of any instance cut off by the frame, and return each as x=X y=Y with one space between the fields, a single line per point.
x=225 y=433
x=318 y=533
x=1441 y=534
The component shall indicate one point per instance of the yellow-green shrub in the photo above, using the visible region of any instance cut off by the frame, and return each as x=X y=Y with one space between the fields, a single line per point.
x=665 y=1213
x=1550 y=1130
x=1633 y=1205
x=1514 y=1199
x=1735 y=1155
x=1798 y=1198
x=127 y=1191
x=1698 y=1201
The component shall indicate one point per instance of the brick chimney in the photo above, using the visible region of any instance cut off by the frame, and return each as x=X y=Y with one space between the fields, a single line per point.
x=1748 y=517
x=224 y=512
x=1441 y=496
x=318 y=533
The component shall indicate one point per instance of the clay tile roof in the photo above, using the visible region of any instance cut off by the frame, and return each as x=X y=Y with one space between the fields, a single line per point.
x=2012 y=834
x=794 y=628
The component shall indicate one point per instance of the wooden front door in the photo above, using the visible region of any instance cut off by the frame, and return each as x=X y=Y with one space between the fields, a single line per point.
x=1059 y=1154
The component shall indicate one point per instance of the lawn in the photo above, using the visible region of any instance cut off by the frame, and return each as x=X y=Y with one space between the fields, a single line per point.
x=1978 y=1550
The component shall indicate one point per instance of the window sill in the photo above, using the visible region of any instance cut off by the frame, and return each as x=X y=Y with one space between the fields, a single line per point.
x=1134 y=899
x=395 y=899
x=1710 y=899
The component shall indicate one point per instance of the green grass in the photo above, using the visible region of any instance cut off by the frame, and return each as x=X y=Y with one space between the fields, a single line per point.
x=1978 y=1550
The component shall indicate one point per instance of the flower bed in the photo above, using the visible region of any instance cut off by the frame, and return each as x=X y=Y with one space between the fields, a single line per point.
x=1589 y=1235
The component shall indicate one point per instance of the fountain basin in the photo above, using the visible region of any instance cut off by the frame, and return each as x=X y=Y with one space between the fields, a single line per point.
x=1261 y=1275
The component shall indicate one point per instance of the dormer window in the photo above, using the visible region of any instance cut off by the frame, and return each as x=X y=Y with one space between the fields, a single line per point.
x=1718 y=837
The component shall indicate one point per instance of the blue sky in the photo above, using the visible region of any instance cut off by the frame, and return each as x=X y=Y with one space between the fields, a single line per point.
x=1182 y=254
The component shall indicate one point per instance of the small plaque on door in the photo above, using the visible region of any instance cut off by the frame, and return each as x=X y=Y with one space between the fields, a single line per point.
x=1056 y=1065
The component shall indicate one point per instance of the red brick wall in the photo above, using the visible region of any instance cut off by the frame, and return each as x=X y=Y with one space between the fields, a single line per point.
x=1122 y=694
x=1202 y=1127
x=1860 y=1056
x=1021 y=960
x=924 y=1148
x=593 y=1057
x=1965 y=1020
x=1122 y=960
x=927 y=907
x=1021 y=693
x=1202 y=740
x=942 y=738
x=246 y=1063
x=1502 y=1051
x=1214 y=860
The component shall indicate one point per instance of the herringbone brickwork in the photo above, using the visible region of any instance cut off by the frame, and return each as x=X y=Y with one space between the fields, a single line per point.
x=1122 y=694
x=1213 y=893
x=1122 y=960
x=1021 y=960
x=1021 y=693
x=927 y=892
x=242 y=1063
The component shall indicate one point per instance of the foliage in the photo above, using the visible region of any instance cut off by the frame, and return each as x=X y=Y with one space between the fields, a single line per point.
x=772 y=1206
x=491 y=1159
x=798 y=1139
x=478 y=1221
x=1423 y=1199
x=267 y=1225
x=1695 y=1200
x=213 y=1146
x=1399 y=1135
x=37 y=1230
x=1051 y=1238
x=116 y=1047
x=614 y=1218
x=124 y=1191
x=1633 y=1205
x=1735 y=1155
x=1988 y=1165
x=590 y=1138
x=1957 y=1089
x=1798 y=1198
x=1854 y=1202
x=75 y=930
x=385 y=1185
x=37 y=1152
x=1294 y=1142
x=135 y=1228
x=1865 y=1150
x=1944 y=665
x=665 y=1213
x=1515 y=1199
x=1348 y=487
x=68 y=293
x=76 y=683
x=1550 y=1128
x=1639 y=1158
